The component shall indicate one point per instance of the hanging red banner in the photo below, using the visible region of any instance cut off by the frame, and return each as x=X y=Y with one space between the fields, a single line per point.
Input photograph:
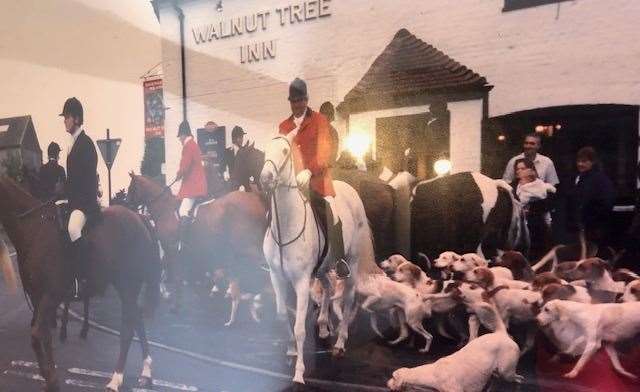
x=153 y=109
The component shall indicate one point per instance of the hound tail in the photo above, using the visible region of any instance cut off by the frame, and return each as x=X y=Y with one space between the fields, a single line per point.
x=7 y=268
x=551 y=255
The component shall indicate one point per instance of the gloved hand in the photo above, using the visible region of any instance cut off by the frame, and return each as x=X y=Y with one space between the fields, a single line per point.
x=303 y=178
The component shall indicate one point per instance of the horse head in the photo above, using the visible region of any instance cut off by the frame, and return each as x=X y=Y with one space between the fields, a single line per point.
x=278 y=164
x=248 y=165
x=133 y=198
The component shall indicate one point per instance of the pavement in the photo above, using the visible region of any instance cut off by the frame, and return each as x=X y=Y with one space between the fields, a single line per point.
x=194 y=351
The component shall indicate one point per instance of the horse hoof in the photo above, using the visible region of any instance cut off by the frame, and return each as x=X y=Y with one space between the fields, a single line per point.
x=145 y=382
x=337 y=352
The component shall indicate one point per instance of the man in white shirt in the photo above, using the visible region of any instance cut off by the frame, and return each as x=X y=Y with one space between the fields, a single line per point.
x=544 y=165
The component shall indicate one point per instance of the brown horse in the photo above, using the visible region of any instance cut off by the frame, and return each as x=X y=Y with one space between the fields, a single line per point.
x=227 y=231
x=124 y=254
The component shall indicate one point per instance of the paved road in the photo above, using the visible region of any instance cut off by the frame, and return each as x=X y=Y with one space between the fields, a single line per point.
x=194 y=351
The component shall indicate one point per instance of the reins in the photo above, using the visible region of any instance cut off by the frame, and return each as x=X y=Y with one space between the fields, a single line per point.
x=35 y=208
x=274 y=201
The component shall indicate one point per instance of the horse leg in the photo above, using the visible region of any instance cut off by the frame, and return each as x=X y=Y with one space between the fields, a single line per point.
x=145 y=380
x=323 y=315
x=299 y=328
x=126 y=335
x=41 y=342
x=279 y=289
x=85 y=322
x=348 y=301
x=64 y=321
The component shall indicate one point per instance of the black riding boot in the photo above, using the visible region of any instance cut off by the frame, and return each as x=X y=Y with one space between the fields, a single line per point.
x=336 y=245
x=79 y=253
x=183 y=231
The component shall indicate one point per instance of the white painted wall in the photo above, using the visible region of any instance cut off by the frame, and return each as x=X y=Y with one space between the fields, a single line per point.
x=466 y=121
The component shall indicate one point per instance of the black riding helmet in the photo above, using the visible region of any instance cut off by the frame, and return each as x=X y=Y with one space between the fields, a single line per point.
x=237 y=131
x=73 y=107
x=53 y=150
x=184 y=129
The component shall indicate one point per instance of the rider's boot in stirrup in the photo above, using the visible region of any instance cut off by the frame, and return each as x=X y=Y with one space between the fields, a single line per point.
x=336 y=250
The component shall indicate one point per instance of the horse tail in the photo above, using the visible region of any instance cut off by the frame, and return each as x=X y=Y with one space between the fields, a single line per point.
x=153 y=270
x=7 y=268
x=364 y=244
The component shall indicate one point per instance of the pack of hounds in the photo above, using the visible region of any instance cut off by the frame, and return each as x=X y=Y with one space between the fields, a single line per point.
x=580 y=306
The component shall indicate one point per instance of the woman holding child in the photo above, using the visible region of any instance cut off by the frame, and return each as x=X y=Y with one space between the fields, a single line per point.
x=533 y=193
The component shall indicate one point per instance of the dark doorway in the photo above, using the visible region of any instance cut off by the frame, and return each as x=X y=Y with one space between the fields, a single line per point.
x=418 y=132
x=611 y=129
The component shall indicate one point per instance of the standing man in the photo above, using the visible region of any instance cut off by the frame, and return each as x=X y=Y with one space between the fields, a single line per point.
x=330 y=113
x=52 y=175
x=82 y=192
x=311 y=138
x=228 y=163
x=192 y=175
x=544 y=165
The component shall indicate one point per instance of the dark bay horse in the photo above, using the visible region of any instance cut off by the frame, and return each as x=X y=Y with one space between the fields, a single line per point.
x=124 y=254
x=227 y=232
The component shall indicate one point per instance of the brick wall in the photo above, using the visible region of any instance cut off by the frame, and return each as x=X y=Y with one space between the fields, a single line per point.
x=577 y=52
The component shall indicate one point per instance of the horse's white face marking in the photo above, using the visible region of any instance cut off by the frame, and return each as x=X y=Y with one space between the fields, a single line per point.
x=276 y=154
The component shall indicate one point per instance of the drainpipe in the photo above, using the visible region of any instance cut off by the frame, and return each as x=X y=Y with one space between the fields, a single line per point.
x=182 y=62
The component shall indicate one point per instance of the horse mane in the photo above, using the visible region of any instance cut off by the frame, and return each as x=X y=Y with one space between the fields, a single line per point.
x=20 y=196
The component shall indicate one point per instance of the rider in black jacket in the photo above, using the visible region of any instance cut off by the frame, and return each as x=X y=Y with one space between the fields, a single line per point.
x=82 y=181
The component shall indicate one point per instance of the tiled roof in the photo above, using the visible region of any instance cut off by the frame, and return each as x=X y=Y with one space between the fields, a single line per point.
x=410 y=66
x=12 y=130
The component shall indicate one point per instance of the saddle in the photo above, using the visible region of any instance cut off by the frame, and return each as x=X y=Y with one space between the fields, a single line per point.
x=63 y=214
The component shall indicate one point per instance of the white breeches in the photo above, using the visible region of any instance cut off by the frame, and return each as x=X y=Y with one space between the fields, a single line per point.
x=186 y=205
x=76 y=223
x=334 y=209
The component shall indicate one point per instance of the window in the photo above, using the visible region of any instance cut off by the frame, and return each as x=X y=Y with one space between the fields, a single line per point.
x=512 y=5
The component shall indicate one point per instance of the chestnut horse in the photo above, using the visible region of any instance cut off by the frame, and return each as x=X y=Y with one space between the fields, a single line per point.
x=229 y=229
x=123 y=253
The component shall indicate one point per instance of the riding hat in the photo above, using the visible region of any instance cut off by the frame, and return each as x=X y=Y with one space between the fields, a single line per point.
x=184 y=129
x=298 y=90
x=237 y=131
x=73 y=107
x=53 y=150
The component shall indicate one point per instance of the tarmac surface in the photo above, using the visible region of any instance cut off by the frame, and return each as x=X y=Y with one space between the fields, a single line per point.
x=193 y=351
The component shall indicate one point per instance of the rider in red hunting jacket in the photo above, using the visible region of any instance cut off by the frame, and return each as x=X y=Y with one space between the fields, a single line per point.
x=312 y=146
x=192 y=175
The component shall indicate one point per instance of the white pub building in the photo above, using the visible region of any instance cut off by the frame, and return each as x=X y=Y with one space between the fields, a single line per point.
x=495 y=70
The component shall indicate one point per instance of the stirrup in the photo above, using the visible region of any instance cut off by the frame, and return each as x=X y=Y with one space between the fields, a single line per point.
x=343 y=271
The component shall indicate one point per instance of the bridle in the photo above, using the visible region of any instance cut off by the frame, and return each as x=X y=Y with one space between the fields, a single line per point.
x=274 y=202
x=155 y=198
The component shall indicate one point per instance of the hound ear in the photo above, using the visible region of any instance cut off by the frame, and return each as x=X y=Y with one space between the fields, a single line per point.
x=426 y=260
